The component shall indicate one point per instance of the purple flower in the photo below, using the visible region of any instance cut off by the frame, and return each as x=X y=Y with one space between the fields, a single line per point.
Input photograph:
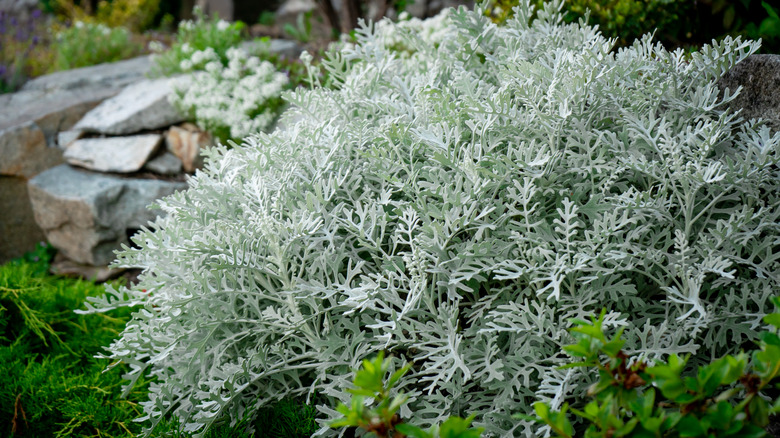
x=36 y=13
x=35 y=39
x=14 y=21
x=2 y=70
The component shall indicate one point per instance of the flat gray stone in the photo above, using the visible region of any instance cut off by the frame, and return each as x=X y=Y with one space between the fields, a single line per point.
x=65 y=138
x=43 y=105
x=113 y=154
x=114 y=75
x=164 y=164
x=87 y=215
x=140 y=106
x=76 y=91
x=759 y=77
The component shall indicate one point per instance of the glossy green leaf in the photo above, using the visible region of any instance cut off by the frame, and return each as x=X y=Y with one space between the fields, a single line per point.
x=758 y=409
x=689 y=426
x=456 y=427
x=413 y=431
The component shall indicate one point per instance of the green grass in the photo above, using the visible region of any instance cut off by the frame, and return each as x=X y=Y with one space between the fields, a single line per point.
x=51 y=385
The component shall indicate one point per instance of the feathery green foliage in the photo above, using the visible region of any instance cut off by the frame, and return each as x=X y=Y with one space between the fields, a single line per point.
x=51 y=385
x=286 y=418
x=457 y=204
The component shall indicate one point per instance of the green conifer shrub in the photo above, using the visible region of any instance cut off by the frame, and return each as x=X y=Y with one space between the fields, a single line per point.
x=457 y=204
x=50 y=384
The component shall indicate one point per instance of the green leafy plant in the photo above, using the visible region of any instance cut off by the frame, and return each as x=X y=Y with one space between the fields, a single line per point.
x=383 y=420
x=635 y=399
x=625 y=20
x=266 y=18
x=676 y=23
x=628 y=20
x=302 y=29
x=85 y=44
x=457 y=206
x=769 y=28
x=195 y=36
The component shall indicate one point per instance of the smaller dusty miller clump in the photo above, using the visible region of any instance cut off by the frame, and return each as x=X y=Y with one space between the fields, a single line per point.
x=432 y=31
x=233 y=100
x=456 y=205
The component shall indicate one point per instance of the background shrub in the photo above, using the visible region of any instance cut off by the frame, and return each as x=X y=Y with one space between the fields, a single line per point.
x=85 y=44
x=197 y=36
x=136 y=15
x=456 y=205
x=676 y=23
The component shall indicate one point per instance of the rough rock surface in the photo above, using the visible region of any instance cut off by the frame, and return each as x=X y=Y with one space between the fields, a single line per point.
x=31 y=119
x=140 y=106
x=73 y=91
x=28 y=134
x=20 y=9
x=115 y=75
x=87 y=215
x=23 y=151
x=113 y=154
x=18 y=231
x=65 y=138
x=186 y=142
x=68 y=268
x=759 y=75
x=164 y=164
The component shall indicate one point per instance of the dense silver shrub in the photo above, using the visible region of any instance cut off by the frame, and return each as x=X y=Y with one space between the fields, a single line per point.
x=455 y=204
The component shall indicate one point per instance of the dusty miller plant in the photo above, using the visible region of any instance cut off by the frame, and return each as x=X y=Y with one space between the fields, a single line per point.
x=457 y=206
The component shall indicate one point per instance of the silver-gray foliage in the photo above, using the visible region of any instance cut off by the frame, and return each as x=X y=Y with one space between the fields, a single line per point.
x=456 y=204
